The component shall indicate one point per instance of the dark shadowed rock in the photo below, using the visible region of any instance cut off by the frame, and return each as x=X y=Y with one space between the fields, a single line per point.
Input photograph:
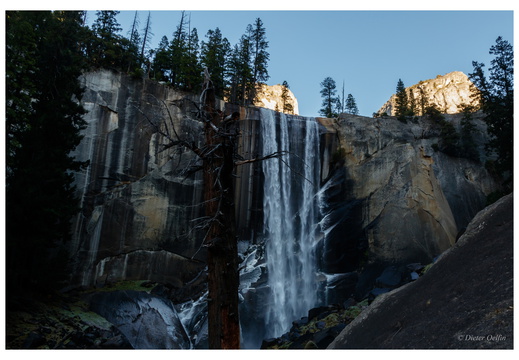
x=147 y=321
x=464 y=301
x=390 y=277
x=397 y=199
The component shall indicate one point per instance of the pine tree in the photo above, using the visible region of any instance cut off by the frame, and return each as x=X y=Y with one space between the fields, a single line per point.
x=44 y=63
x=247 y=85
x=328 y=93
x=496 y=95
x=351 y=105
x=248 y=64
x=287 y=106
x=468 y=147
x=160 y=66
x=240 y=71
x=424 y=103
x=412 y=103
x=107 y=51
x=214 y=56
x=233 y=75
x=260 y=57
x=177 y=50
x=401 y=108
x=190 y=76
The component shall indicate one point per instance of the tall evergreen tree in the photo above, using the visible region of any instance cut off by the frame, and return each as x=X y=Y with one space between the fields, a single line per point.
x=424 y=103
x=496 y=95
x=43 y=64
x=402 y=108
x=177 y=50
x=287 y=106
x=468 y=147
x=328 y=93
x=233 y=75
x=247 y=84
x=351 y=105
x=190 y=76
x=160 y=66
x=214 y=56
x=240 y=70
x=412 y=106
x=106 y=50
x=260 y=57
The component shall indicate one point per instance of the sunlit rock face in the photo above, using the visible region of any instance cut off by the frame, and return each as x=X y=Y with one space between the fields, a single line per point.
x=270 y=97
x=447 y=93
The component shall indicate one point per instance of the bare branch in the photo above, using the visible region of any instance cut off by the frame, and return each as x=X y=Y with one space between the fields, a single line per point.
x=176 y=141
x=275 y=155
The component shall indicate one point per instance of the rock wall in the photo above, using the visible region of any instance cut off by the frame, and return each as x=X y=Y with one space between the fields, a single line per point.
x=387 y=195
x=391 y=197
x=136 y=202
x=138 y=205
x=447 y=93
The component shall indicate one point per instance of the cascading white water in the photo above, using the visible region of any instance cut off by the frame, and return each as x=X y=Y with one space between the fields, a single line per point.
x=290 y=217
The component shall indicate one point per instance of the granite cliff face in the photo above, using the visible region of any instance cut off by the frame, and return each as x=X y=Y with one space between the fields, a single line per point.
x=138 y=205
x=386 y=196
x=393 y=197
x=447 y=93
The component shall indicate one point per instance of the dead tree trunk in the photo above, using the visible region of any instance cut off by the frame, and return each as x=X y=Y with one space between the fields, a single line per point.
x=219 y=160
x=221 y=241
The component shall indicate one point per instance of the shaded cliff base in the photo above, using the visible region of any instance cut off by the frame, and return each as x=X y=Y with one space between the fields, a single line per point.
x=465 y=301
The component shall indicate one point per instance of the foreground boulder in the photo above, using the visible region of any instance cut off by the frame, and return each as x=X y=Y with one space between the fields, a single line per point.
x=464 y=301
x=147 y=321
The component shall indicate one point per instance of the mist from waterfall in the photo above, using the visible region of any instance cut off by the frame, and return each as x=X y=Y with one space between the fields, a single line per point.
x=290 y=210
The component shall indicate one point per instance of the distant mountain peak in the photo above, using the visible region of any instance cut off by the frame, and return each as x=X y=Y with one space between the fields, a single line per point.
x=271 y=97
x=447 y=92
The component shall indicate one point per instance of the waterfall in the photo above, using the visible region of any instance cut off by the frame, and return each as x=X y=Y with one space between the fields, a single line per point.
x=290 y=211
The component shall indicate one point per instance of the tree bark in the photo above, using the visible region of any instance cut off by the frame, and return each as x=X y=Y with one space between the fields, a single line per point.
x=221 y=241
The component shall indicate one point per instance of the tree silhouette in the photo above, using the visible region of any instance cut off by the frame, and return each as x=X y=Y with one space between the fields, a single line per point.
x=43 y=124
x=328 y=93
x=401 y=106
x=351 y=105
x=214 y=55
x=496 y=96
x=287 y=106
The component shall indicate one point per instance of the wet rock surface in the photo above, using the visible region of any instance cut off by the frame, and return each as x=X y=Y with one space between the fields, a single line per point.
x=147 y=321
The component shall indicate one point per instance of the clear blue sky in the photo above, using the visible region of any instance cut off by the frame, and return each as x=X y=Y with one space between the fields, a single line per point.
x=368 y=50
